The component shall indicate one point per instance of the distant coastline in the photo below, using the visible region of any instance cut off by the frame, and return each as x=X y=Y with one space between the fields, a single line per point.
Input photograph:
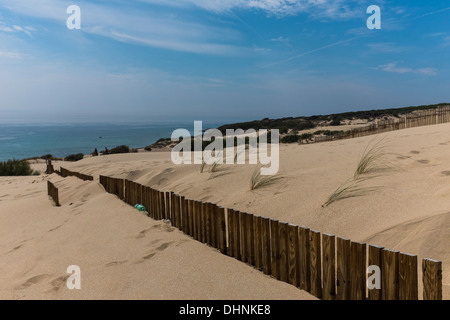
x=85 y=138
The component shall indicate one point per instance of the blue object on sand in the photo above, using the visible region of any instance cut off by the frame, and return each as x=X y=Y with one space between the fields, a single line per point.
x=140 y=207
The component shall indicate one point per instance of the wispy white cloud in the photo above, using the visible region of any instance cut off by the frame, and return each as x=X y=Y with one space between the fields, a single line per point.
x=24 y=30
x=386 y=47
x=338 y=9
x=334 y=44
x=281 y=40
x=126 y=24
x=393 y=67
x=6 y=29
x=11 y=55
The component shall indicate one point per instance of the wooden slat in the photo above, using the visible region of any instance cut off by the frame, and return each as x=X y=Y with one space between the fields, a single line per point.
x=293 y=255
x=283 y=251
x=343 y=253
x=221 y=230
x=432 y=279
x=207 y=223
x=250 y=239
x=265 y=238
x=195 y=220
x=304 y=258
x=202 y=223
x=231 y=230
x=329 y=266
x=177 y=212
x=275 y=248
x=408 y=277
x=316 y=264
x=358 y=271
x=172 y=208
x=184 y=213
x=257 y=241
x=212 y=224
x=163 y=205
x=375 y=260
x=389 y=274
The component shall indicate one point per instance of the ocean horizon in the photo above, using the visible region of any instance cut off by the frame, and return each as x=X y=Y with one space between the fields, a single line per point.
x=22 y=141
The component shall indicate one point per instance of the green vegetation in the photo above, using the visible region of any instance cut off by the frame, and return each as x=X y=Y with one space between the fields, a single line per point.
x=349 y=189
x=305 y=123
x=292 y=138
x=258 y=181
x=120 y=149
x=336 y=122
x=296 y=124
x=328 y=133
x=16 y=168
x=371 y=160
x=74 y=157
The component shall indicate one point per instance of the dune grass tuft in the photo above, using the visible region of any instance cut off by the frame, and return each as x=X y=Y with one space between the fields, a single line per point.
x=373 y=159
x=350 y=189
x=258 y=180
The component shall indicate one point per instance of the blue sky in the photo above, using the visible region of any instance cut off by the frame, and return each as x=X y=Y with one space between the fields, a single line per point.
x=219 y=60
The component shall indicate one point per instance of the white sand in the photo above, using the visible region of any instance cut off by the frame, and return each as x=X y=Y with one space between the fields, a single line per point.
x=409 y=212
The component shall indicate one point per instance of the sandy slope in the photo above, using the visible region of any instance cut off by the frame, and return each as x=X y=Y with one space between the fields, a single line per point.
x=410 y=212
x=122 y=253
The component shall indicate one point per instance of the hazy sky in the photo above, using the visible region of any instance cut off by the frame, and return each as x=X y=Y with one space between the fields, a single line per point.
x=219 y=60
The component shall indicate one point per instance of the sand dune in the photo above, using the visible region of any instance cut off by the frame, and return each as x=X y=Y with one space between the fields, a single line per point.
x=127 y=255
x=122 y=253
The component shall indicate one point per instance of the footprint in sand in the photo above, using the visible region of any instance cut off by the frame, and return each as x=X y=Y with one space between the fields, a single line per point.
x=16 y=248
x=414 y=152
x=164 y=227
x=161 y=248
x=32 y=281
x=115 y=263
x=423 y=161
x=152 y=243
x=164 y=246
x=143 y=233
x=55 y=228
x=59 y=282
x=151 y=255
x=446 y=173
x=403 y=157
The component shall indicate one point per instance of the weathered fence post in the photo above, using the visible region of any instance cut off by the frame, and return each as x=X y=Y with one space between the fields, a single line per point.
x=408 y=277
x=432 y=279
x=389 y=274
x=305 y=259
x=316 y=265
x=375 y=260
x=275 y=248
x=329 y=266
x=358 y=271
x=257 y=241
x=293 y=254
x=283 y=251
x=266 y=241
x=343 y=269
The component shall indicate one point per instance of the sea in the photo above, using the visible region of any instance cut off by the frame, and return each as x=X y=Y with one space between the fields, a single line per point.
x=22 y=141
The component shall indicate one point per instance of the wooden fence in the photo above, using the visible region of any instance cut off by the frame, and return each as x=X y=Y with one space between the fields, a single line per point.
x=67 y=173
x=415 y=119
x=53 y=193
x=327 y=266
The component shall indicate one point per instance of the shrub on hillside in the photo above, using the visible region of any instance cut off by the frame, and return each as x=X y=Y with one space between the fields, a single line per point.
x=74 y=157
x=16 y=168
x=293 y=138
x=120 y=149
